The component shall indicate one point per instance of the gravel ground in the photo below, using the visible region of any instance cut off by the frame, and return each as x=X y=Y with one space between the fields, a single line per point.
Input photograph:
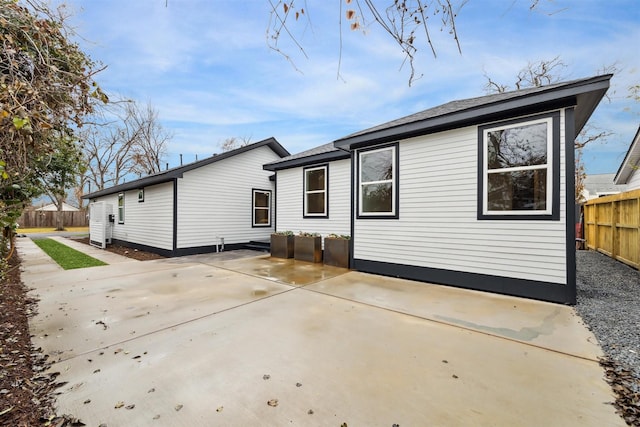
x=608 y=294
x=609 y=302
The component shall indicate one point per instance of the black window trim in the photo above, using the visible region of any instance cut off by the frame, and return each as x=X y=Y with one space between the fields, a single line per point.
x=396 y=182
x=253 y=207
x=324 y=166
x=554 y=165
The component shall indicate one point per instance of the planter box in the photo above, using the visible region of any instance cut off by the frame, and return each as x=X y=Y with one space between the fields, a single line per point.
x=336 y=252
x=282 y=246
x=308 y=249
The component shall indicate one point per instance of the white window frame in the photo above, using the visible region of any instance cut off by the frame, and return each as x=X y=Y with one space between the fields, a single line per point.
x=548 y=166
x=121 y=208
x=254 y=207
x=394 y=185
x=325 y=190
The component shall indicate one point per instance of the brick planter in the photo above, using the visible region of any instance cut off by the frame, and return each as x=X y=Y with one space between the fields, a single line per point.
x=282 y=246
x=308 y=248
x=336 y=252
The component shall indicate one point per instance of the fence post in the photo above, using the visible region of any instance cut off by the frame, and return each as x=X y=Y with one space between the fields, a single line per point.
x=615 y=237
x=596 y=230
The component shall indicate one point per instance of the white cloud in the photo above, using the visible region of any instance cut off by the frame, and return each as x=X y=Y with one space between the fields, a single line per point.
x=206 y=67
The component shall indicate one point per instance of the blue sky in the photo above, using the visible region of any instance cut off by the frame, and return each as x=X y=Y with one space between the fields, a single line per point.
x=205 y=66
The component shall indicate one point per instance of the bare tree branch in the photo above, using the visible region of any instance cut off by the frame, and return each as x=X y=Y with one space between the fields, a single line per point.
x=403 y=20
x=129 y=139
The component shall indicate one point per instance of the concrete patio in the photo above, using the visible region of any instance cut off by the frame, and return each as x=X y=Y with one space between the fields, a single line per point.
x=242 y=339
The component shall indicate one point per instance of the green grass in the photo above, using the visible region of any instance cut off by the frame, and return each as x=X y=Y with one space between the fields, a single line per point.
x=65 y=256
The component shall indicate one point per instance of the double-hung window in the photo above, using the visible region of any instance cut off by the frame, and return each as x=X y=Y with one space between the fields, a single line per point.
x=121 y=208
x=261 y=208
x=519 y=162
x=378 y=182
x=316 y=192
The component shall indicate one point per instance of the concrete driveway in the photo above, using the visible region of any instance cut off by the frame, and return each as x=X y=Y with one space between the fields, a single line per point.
x=212 y=340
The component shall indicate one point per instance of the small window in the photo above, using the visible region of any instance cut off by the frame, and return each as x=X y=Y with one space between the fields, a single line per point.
x=517 y=163
x=141 y=195
x=315 y=192
x=121 y=208
x=261 y=208
x=377 y=183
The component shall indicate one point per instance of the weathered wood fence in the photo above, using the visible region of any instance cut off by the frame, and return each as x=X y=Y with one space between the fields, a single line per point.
x=47 y=219
x=612 y=226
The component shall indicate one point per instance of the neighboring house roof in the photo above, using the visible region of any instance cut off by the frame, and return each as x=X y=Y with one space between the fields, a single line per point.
x=322 y=153
x=631 y=161
x=52 y=207
x=585 y=94
x=171 y=174
x=600 y=185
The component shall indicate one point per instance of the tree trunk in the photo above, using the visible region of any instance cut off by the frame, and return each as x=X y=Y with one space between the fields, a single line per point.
x=60 y=215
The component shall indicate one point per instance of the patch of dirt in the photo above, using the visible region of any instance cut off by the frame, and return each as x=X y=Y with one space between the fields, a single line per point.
x=26 y=393
x=625 y=387
x=128 y=252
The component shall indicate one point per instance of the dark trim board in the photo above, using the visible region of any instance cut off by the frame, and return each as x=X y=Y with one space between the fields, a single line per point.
x=544 y=291
x=179 y=252
x=174 y=232
x=555 y=169
x=570 y=166
x=197 y=250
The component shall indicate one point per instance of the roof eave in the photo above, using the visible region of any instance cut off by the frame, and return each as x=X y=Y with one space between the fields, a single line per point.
x=309 y=160
x=138 y=183
x=630 y=162
x=585 y=96
x=175 y=173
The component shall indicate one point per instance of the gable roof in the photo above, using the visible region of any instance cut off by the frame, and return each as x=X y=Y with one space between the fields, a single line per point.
x=171 y=174
x=603 y=183
x=585 y=94
x=631 y=161
x=52 y=207
x=320 y=154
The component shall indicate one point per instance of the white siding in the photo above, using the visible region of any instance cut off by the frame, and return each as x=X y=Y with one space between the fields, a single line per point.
x=438 y=225
x=634 y=180
x=146 y=223
x=290 y=215
x=214 y=201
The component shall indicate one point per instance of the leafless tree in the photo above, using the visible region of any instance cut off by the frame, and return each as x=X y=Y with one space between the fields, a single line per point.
x=150 y=146
x=234 y=142
x=127 y=139
x=534 y=74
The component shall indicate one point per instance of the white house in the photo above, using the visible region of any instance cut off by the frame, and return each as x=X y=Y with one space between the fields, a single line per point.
x=52 y=207
x=225 y=200
x=629 y=171
x=601 y=184
x=475 y=193
x=313 y=188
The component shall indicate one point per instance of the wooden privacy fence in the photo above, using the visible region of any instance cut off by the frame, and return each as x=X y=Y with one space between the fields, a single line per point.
x=47 y=219
x=612 y=226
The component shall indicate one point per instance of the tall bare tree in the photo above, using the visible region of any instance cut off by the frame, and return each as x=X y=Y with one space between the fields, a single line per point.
x=150 y=147
x=127 y=140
